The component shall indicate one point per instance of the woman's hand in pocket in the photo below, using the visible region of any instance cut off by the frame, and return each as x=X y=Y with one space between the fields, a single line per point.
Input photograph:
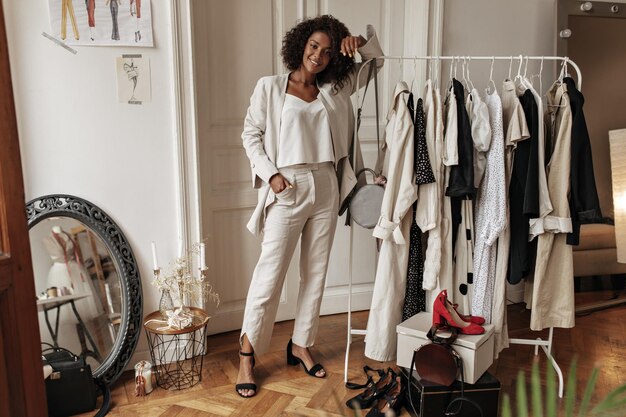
x=279 y=183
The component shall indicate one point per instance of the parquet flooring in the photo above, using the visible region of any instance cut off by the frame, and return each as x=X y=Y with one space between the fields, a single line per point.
x=598 y=339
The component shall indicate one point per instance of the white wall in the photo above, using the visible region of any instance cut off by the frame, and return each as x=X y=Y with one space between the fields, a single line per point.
x=503 y=27
x=76 y=138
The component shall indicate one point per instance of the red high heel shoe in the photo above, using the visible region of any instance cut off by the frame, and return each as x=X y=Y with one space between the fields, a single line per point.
x=444 y=313
x=470 y=319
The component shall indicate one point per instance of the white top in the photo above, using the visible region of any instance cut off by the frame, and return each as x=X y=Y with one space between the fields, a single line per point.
x=304 y=133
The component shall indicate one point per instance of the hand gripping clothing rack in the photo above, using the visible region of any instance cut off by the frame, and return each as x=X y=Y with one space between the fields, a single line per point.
x=545 y=345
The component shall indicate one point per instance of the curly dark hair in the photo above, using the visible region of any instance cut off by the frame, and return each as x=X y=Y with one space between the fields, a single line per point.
x=295 y=40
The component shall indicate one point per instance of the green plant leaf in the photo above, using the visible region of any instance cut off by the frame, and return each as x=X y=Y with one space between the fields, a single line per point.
x=535 y=386
x=570 y=392
x=550 y=390
x=615 y=401
x=591 y=384
x=522 y=400
x=506 y=406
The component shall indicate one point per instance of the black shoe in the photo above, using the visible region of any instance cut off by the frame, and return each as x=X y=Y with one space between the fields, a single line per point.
x=373 y=390
x=246 y=385
x=392 y=400
x=294 y=360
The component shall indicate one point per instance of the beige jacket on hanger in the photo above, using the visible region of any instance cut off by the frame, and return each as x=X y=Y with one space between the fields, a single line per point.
x=394 y=227
x=552 y=285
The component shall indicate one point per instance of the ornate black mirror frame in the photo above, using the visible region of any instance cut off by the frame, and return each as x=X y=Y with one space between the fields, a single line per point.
x=92 y=216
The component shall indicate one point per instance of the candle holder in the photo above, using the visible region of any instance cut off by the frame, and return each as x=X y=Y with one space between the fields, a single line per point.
x=181 y=280
x=165 y=302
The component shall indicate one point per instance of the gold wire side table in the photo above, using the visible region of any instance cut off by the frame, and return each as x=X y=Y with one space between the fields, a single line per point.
x=177 y=354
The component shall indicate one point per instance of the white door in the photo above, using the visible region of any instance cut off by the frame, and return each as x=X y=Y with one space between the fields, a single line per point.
x=235 y=43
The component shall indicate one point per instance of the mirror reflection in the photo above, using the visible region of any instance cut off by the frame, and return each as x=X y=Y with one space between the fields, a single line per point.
x=78 y=288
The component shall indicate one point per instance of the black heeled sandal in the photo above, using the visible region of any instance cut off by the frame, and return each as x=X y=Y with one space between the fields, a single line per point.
x=246 y=385
x=393 y=399
x=373 y=390
x=294 y=360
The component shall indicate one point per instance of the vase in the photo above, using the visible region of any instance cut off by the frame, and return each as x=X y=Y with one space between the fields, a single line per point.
x=165 y=303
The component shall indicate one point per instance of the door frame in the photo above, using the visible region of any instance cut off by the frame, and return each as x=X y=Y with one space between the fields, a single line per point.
x=21 y=376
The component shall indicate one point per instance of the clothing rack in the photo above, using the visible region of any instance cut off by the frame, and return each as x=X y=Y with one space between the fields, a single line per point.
x=545 y=345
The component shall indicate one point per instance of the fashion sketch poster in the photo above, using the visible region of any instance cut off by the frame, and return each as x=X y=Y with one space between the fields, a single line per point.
x=102 y=22
x=133 y=79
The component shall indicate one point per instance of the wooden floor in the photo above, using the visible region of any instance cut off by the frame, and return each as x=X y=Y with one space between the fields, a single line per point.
x=599 y=339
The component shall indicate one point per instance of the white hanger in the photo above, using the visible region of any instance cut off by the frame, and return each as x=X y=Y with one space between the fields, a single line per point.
x=510 y=67
x=493 y=61
x=430 y=69
x=451 y=74
x=519 y=68
x=539 y=77
x=540 y=80
x=526 y=66
x=469 y=79
x=438 y=70
x=463 y=69
x=414 y=74
x=563 y=69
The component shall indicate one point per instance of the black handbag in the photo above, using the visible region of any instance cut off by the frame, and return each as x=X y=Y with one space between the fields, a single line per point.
x=71 y=388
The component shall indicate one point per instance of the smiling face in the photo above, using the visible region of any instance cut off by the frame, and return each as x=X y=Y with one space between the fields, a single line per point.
x=317 y=53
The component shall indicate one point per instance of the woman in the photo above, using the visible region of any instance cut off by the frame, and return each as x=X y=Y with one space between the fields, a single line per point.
x=297 y=135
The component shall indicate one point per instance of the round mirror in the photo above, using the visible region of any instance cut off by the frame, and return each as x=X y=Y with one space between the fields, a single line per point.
x=87 y=282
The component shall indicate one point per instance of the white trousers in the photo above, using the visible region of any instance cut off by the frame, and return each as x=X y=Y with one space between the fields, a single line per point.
x=309 y=209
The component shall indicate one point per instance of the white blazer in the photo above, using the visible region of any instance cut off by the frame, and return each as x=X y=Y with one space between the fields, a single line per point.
x=261 y=129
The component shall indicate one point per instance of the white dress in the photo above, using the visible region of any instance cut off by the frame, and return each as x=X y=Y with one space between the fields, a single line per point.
x=432 y=260
x=481 y=133
x=515 y=129
x=68 y=271
x=490 y=214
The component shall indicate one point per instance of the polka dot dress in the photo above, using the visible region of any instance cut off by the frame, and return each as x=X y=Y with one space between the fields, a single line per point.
x=415 y=297
x=423 y=170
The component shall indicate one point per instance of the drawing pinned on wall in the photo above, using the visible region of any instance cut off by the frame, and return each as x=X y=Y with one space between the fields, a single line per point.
x=133 y=79
x=102 y=22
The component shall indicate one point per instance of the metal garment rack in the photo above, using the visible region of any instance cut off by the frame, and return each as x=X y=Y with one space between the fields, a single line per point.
x=545 y=345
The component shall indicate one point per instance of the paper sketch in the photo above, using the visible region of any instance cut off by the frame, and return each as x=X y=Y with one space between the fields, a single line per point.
x=133 y=79
x=102 y=22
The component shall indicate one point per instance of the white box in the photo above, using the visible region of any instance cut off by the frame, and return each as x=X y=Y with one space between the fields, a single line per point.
x=476 y=351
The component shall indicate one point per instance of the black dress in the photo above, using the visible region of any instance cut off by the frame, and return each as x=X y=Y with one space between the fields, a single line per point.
x=461 y=181
x=524 y=194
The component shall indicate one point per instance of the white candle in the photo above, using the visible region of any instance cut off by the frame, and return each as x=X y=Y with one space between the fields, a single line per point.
x=180 y=248
x=202 y=257
x=155 y=263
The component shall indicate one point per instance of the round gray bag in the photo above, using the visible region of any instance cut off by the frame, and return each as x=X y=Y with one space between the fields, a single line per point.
x=366 y=203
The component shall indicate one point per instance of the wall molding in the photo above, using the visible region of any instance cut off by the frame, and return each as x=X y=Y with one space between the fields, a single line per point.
x=188 y=180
